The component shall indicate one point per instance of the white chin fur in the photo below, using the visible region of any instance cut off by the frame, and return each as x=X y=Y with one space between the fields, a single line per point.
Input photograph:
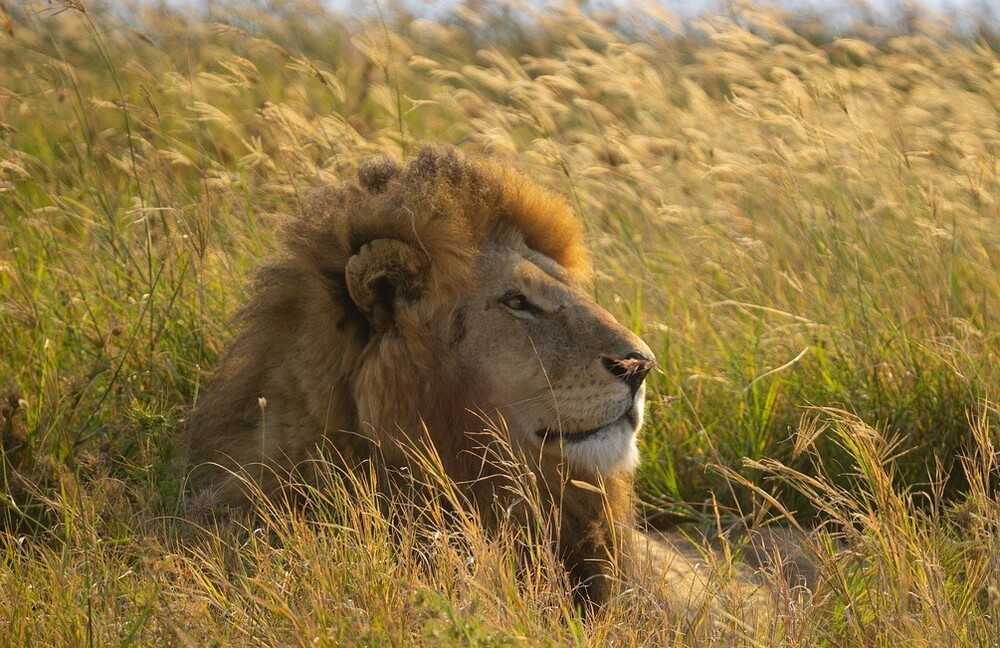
x=612 y=450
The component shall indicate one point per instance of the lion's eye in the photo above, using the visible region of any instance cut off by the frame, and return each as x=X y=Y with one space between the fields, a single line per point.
x=518 y=303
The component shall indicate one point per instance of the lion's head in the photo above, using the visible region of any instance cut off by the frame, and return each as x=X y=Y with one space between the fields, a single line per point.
x=562 y=373
x=442 y=293
x=509 y=328
x=432 y=297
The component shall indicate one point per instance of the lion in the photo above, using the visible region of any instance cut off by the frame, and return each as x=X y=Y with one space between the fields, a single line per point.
x=426 y=299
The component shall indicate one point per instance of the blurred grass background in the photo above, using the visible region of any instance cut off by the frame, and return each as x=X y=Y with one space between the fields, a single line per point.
x=802 y=224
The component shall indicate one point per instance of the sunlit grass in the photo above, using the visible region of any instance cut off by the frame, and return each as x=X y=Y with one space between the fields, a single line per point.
x=802 y=227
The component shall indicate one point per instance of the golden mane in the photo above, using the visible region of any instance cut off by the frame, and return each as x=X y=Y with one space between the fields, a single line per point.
x=442 y=204
x=310 y=362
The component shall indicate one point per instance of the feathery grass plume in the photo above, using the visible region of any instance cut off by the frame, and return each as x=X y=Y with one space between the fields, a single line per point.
x=802 y=223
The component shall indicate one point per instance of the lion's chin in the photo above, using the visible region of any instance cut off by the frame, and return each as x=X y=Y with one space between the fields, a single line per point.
x=626 y=423
x=606 y=450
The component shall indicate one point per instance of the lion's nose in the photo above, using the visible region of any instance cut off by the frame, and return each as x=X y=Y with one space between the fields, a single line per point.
x=632 y=369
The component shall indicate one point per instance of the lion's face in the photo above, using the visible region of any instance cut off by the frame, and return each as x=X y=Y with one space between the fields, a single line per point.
x=564 y=375
x=424 y=299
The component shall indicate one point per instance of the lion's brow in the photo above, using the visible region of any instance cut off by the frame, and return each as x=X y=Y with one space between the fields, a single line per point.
x=548 y=266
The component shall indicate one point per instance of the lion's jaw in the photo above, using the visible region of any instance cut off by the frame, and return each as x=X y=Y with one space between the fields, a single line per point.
x=550 y=357
x=606 y=449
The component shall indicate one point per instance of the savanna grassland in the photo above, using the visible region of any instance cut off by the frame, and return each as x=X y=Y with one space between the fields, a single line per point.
x=805 y=228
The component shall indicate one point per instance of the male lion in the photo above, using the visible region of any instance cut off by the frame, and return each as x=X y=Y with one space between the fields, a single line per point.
x=421 y=300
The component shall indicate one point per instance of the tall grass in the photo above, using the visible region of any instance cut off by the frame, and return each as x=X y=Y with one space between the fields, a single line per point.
x=802 y=227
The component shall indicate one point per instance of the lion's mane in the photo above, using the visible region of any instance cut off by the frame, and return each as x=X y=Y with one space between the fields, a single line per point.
x=308 y=367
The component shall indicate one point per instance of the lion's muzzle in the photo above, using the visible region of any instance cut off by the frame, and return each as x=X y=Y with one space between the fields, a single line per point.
x=632 y=369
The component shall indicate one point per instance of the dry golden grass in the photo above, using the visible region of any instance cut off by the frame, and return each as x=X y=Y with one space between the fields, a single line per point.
x=802 y=227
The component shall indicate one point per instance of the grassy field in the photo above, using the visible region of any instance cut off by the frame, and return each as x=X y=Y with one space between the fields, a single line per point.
x=805 y=229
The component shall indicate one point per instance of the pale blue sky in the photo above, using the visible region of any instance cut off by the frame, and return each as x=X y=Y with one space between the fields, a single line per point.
x=697 y=6
x=837 y=10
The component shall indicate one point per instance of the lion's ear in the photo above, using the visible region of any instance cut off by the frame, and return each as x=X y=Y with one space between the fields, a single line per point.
x=383 y=274
x=374 y=174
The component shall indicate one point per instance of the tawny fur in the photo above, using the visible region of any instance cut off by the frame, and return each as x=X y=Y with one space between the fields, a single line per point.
x=309 y=366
